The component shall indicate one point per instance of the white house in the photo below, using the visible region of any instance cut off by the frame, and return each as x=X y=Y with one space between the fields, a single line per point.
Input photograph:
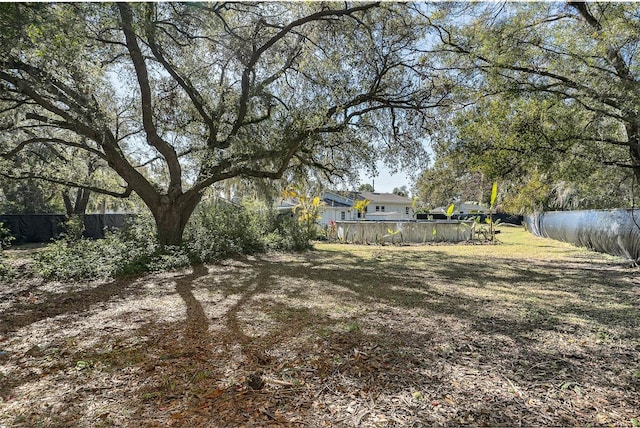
x=339 y=206
x=387 y=206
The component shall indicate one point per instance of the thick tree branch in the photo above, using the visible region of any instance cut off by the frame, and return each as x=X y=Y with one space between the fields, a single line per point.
x=613 y=55
x=29 y=88
x=18 y=148
x=164 y=148
x=193 y=94
x=125 y=194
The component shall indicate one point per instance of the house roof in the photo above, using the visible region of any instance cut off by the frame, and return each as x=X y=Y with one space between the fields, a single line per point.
x=385 y=198
x=332 y=203
x=342 y=197
x=347 y=199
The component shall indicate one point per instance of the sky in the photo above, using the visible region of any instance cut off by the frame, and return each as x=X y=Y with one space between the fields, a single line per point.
x=385 y=182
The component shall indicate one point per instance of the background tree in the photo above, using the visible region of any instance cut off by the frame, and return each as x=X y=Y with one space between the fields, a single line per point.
x=546 y=91
x=29 y=197
x=445 y=182
x=177 y=97
x=401 y=191
x=366 y=187
x=451 y=177
x=66 y=174
x=530 y=151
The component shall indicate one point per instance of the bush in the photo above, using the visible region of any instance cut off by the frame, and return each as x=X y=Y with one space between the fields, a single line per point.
x=216 y=231
x=289 y=235
x=5 y=236
x=73 y=228
x=83 y=258
x=5 y=241
x=171 y=257
x=128 y=250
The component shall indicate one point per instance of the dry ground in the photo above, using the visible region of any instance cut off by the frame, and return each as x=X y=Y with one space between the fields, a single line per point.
x=529 y=332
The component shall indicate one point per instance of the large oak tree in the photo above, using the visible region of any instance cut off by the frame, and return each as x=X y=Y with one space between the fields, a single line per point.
x=177 y=97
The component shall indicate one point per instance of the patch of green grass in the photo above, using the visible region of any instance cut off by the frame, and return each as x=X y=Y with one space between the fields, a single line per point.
x=513 y=242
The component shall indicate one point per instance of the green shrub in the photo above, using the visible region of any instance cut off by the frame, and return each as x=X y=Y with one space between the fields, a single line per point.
x=216 y=231
x=73 y=228
x=289 y=235
x=84 y=258
x=171 y=257
x=138 y=243
x=128 y=250
x=5 y=236
x=5 y=241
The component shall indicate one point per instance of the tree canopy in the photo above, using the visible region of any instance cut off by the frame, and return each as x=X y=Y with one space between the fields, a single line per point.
x=366 y=187
x=547 y=97
x=165 y=100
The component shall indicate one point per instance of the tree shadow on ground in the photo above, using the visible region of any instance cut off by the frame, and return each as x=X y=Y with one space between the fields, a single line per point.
x=492 y=341
x=417 y=339
x=66 y=302
x=196 y=323
x=545 y=287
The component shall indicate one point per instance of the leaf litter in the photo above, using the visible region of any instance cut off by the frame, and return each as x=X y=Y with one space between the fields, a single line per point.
x=518 y=334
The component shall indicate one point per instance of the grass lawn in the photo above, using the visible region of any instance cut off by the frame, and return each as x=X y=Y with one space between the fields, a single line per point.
x=529 y=332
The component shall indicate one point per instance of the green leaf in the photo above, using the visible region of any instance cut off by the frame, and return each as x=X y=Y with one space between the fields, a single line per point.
x=494 y=193
x=82 y=365
x=450 y=210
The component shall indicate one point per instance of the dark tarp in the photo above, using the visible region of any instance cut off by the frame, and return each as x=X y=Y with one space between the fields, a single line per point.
x=95 y=224
x=33 y=227
x=503 y=218
x=27 y=228
x=615 y=232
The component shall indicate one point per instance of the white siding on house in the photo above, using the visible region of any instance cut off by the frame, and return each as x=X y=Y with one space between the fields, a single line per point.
x=328 y=213
x=382 y=206
x=390 y=212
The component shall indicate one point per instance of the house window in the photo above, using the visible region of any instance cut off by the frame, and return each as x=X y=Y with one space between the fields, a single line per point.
x=406 y=210
x=382 y=208
x=343 y=215
x=379 y=208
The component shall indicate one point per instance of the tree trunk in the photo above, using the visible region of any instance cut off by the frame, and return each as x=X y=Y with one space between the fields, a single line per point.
x=172 y=216
x=68 y=205
x=82 y=200
x=79 y=207
x=633 y=136
x=635 y=161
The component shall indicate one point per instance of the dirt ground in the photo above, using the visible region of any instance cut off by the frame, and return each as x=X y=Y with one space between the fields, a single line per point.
x=530 y=332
